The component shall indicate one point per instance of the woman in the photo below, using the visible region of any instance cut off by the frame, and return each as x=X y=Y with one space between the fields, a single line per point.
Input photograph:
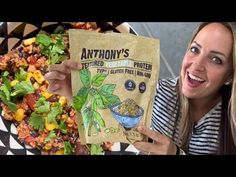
x=194 y=113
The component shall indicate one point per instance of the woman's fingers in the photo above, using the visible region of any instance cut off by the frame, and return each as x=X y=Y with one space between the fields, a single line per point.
x=54 y=78
x=65 y=66
x=150 y=133
x=54 y=75
x=148 y=148
x=71 y=64
x=142 y=146
x=54 y=87
x=59 y=67
x=162 y=143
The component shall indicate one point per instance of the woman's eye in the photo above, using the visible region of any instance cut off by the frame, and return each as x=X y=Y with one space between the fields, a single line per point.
x=194 y=50
x=216 y=60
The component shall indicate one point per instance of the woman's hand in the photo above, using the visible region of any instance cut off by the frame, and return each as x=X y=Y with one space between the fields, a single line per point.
x=162 y=144
x=59 y=78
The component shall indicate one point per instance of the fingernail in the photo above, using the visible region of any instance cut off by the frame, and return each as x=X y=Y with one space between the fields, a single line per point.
x=140 y=128
x=62 y=77
x=79 y=65
x=55 y=87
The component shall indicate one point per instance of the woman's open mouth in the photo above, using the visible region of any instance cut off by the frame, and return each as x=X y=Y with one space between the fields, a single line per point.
x=194 y=81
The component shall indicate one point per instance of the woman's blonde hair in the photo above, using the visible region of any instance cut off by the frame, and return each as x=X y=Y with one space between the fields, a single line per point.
x=186 y=124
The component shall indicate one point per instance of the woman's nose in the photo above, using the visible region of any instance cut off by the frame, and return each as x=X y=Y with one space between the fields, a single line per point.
x=199 y=63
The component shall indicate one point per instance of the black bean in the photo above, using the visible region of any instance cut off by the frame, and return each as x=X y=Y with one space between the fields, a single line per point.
x=20 y=49
x=32 y=80
x=25 y=55
x=67 y=109
x=28 y=113
x=37 y=94
x=34 y=133
x=27 y=118
x=43 y=69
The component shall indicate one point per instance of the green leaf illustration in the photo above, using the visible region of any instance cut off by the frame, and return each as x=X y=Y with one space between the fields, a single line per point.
x=78 y=102
x=83 y=92
x=85 y=115
x=90 y=98
x=99 y=119
x=105 y=102
x=107 y=89
x=90 y=124
x=112 y=99
x=99 y=101
x=98 y=79
x=97 y=126
x=94 y=105
x=85 y=76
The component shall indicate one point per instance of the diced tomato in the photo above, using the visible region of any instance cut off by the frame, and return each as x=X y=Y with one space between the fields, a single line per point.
x=29 y=139
x=30 y=101
x=31 y=60
x=31 y=69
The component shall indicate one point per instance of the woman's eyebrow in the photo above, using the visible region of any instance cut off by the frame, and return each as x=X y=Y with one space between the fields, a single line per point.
x=219 y=53
x=212 y=51
x=197 y=44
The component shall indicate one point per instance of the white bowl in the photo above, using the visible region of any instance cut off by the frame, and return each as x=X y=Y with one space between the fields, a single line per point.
x=11 y=36
x=12 y=33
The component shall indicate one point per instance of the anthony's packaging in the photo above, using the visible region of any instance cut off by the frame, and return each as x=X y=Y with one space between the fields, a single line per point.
x=115 y=90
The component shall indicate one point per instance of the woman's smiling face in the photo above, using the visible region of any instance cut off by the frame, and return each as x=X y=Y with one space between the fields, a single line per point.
x=207 y=64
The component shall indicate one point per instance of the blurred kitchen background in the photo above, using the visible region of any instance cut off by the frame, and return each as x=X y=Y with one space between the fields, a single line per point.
x=174 y=38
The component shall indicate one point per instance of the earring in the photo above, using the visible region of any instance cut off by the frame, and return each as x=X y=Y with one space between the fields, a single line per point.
x=227 y=83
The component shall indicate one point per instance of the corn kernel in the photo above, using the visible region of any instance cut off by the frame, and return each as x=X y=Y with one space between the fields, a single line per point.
x=59 y=152
x=13 y=83
x=48 y=146
x=49 y=126
x=29 y=75
x=29 y=41
x=20 y=114
x=46 y=94
x=36 y=85
x=62 y=100
x=38 y=76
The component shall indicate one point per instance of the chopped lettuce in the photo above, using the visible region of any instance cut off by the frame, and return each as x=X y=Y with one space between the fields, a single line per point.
x=53 y=48
x=23 y=88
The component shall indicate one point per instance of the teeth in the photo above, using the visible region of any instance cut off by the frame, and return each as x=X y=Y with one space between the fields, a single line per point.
x=195 y=78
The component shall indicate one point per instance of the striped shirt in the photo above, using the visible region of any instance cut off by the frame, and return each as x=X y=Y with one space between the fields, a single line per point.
x=204 y=137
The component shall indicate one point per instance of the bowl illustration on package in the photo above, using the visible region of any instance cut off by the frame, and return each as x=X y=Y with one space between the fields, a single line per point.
x=127 y=113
